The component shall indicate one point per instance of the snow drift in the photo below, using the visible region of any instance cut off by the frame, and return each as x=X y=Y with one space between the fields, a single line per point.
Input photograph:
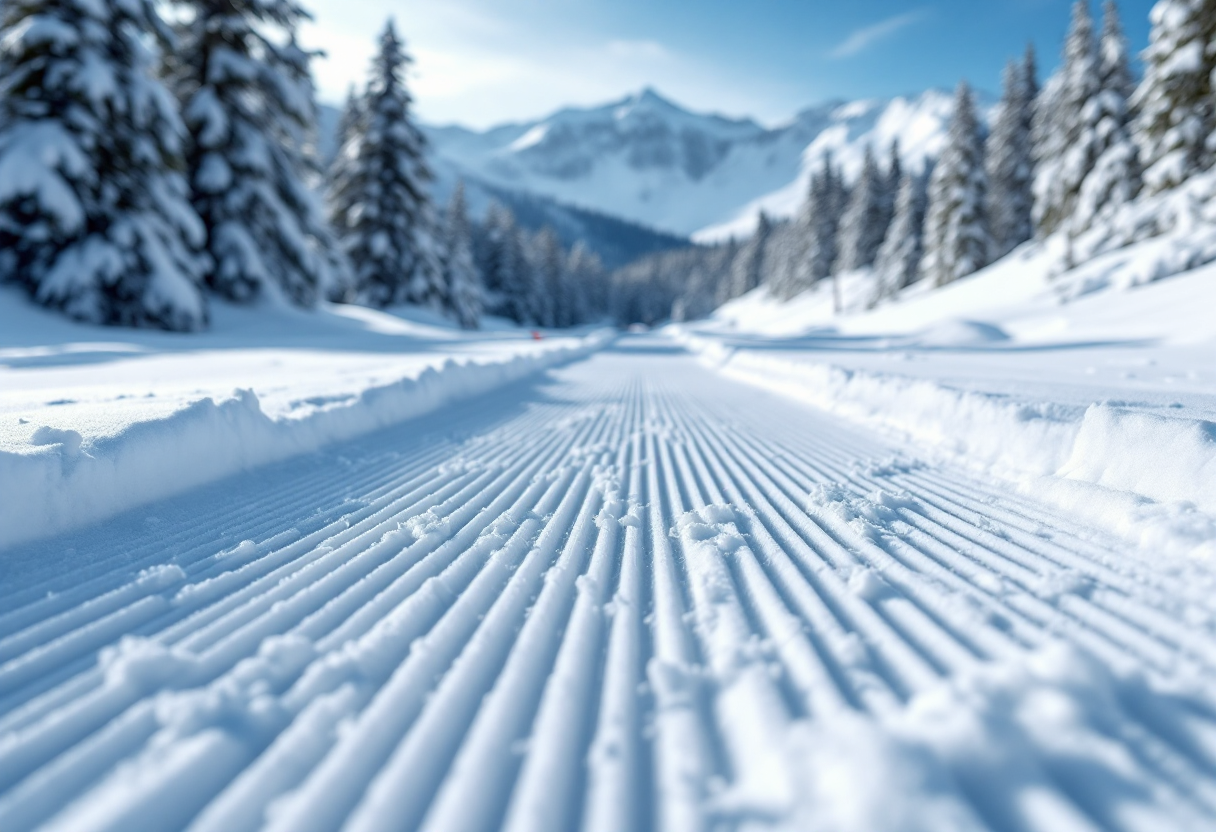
x=1128 y=457
x=65 y=483
x=1091 y=389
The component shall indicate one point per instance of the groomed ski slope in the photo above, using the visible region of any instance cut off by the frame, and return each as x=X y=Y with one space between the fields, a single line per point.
x=627 y=595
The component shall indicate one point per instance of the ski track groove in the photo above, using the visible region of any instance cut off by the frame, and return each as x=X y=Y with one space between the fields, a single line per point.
x=609 y=608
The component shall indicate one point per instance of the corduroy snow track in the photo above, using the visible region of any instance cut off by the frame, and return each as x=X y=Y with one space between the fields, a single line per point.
x=625 y=595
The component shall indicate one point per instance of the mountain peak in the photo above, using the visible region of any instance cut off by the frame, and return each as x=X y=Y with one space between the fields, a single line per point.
x=650 y=94
x=650 y=99
x=652 y=161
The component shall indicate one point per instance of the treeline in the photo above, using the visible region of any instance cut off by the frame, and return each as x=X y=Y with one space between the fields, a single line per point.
x=1057 y=161
x=399 y=251
x=145 y=167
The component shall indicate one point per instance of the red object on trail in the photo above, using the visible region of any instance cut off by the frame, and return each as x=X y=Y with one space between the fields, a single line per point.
x=536 y=336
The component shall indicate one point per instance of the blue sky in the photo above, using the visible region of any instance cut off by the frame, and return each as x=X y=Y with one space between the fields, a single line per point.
x=483 y=62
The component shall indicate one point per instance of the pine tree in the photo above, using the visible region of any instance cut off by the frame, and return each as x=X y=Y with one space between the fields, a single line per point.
x=786 y=264
x=1030 y=77
x=1114 y=177
x=747 y=272
x=380 y=203
x=94 y=212
x=549 y=304
x=895 y=174
x=506 y=274
x=822 y=221
x=502 y=265
x=1047 y=140
x=1177 y=114
x=865 y=221
x=247 y=100
x=462 y=282
x=956 y=238
x=1071 y=154
x=891 y=184
x=898 y=262
x=1114 y=70
x=350 y=126
x=589 y=284
x=1010 y=172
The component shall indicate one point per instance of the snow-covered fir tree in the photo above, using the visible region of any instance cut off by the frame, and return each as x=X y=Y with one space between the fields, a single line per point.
x=1177 y=114
x=1047 y=139
x=864 y=223
x=1114 y=69
x=895 y=178
x=1114 y=176
x=786 y=266
x=246 y=92
x=94 y=212
x=505 y=271
x=680 y=284
x=1010 y=167
x=550 y=304
x=956 y=239
x=1030 y=77
x=822 y=221
x=1069 y=154
x=898 y=262
x=349 y=124
x=462 y=281
x=589 y=284
x=380 y=203
x=749 y=267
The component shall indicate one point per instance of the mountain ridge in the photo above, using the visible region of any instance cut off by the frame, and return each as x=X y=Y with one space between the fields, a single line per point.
x=642 y=173
x=647 y=159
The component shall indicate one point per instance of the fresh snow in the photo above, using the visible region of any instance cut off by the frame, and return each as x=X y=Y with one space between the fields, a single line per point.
x=943 y=564
x=97 y=420
x=1097 y=394
x=629 y=594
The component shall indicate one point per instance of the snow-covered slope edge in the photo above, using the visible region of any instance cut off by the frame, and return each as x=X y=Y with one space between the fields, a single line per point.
x=1149 y=477
x=1093 y=388
x=67 y=485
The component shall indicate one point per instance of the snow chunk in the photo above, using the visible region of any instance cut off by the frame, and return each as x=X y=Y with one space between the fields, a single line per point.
x=69 y=439
x=147 y=665
x=872 y=516
x=710 y=529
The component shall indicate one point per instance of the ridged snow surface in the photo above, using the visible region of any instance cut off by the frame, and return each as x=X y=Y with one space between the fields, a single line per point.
x=629 y=595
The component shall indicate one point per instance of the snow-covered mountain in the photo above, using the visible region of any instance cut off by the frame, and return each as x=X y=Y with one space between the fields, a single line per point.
x=648 y=160
x=617 y=240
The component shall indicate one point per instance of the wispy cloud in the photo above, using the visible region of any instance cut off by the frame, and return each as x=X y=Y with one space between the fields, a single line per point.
x=861 y=39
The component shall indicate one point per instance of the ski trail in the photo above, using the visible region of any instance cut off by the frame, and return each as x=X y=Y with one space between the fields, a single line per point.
x=633 y=595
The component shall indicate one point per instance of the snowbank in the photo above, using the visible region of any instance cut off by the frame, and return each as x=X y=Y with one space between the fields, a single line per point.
x=63 y=483
x=1127 y=457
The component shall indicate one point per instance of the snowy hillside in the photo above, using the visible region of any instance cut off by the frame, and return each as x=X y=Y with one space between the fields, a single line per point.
x=646 y=159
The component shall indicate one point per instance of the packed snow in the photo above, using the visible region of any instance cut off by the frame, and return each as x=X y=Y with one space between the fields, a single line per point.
x=96 y=420
x=628 y=594
x=916 y=532
x=1096 y=393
